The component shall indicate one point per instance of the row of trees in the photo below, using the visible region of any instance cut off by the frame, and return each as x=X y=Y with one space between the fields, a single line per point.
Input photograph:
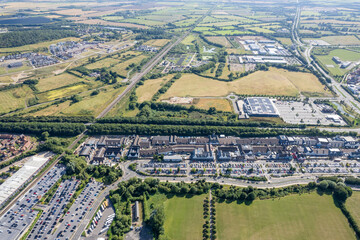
x=184 y=130
x=20 y=38
x=165 y=87
x=141 y=190
x=37 y=128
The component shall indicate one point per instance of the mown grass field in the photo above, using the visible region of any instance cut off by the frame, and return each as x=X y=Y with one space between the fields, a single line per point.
x=343 y=54
x=353 y=206
x=106 y=62
x=157 y=42
x=295 y=217
x=341 y=40
x=151 y=86
x=184 y=218
x=272 y=82
x=220 y=40
x=121 y=67
x=57 y=81
x=285 y=41
x=14 y=98
x=189 y=39
x=219 y=104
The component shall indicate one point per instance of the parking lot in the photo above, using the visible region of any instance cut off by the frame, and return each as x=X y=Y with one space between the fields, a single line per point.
x=203 y=168
x=330 y=167
x=20 y=216
x=300 y=113
x=163 y=168
x=45 y=226
x=81 y=206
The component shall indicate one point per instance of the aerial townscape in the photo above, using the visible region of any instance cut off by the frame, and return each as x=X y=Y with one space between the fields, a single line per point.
x=179 y=120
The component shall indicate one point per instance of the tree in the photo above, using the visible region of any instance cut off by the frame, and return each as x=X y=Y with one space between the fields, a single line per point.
x=45 y=135
x=251 y=196
x=157 y=220
x=340 y=193
x=324 y=184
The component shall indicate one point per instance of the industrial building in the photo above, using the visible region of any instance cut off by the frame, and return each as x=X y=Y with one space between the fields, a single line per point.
x=260 y=107
x=21 y=177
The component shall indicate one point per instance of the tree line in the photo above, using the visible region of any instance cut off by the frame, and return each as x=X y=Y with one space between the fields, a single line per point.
x=37 y=128
x=20 y=38
x=186 y=130
x=192 y=122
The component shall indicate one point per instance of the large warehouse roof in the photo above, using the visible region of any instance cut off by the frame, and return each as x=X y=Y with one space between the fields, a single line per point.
x=13 y=183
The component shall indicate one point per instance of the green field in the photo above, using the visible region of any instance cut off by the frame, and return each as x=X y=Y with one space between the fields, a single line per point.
x=344 y=55
x=307 y=216
x=353 y=206
x=184 y=217
x=57 y=81
x=341 y=40
x=89 y=105
x=285 y=41
x=121 y=67
x=151 y=86
x=106 y=62
x=14 y=98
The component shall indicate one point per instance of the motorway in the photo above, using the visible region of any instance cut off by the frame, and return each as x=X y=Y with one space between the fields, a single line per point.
x=342 y=95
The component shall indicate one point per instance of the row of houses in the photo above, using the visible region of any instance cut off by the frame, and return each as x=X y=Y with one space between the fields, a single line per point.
x=175 y=148
x=13 y=145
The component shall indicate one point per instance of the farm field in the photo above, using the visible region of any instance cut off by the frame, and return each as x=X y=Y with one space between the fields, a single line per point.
x=353 y=206
x=62 y=92
x=105 y=62
x=57 y=81
x=150 y=87
x=188 y=40
x=184 y=217
x=272 y=82
x=220 y=40
x=157 y=42
x=89 y=105
x=344 y=55
x=219 y=104
x=121 y=67
x=306 y=216
x=285 y=41
x=341 y=40
x=14 y=98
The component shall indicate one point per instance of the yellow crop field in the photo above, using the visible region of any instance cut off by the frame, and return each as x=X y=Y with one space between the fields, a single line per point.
x=150 y=87
x=60 y=93
x=272 y=82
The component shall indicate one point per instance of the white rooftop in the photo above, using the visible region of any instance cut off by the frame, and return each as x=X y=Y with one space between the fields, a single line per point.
x=13 y=183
